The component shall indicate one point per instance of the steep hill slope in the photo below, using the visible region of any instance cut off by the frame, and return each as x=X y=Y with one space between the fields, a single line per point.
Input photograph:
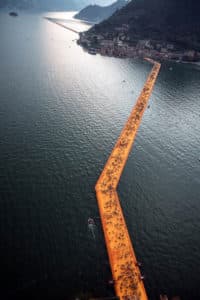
x=167 y=20
x=166 y=29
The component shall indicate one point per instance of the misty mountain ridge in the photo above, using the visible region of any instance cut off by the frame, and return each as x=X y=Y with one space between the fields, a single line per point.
x=96 y=13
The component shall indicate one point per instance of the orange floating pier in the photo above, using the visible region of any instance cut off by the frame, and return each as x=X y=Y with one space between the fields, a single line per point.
x=60 y=24
x=126 y=274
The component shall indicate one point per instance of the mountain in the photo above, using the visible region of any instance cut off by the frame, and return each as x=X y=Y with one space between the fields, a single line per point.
x=165 y=28
x=96 y=13
x=49 y=4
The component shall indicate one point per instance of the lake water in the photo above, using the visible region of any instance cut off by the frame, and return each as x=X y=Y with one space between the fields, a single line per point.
x=61 y=111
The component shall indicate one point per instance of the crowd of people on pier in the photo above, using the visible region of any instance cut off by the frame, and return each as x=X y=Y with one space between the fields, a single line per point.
x=125 y=268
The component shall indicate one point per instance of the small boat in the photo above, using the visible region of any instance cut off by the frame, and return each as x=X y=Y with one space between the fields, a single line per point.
x=91 y=221
x=13 y=14
x=91 y=227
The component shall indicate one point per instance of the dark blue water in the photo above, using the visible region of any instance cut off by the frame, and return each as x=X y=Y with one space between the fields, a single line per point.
x=61 y=111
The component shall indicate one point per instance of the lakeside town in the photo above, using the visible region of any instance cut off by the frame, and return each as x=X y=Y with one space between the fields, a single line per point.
x=119 y=44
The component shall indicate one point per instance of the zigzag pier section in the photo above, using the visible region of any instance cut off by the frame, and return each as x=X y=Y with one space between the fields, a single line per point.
x=126 y=274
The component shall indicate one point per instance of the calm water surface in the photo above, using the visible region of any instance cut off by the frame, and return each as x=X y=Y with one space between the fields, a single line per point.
x=61 y=111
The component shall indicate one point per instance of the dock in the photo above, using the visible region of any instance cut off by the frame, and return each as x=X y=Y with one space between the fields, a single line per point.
x=127 y=279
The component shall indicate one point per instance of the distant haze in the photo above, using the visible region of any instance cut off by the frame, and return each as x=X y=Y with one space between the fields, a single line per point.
x=51 y=4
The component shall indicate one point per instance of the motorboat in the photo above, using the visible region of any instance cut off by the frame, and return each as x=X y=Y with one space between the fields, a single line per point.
x=13 y=14
x=91 y=221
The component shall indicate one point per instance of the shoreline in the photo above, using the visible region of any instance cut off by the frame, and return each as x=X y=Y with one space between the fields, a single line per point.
x=121 y=46
x=95 y=51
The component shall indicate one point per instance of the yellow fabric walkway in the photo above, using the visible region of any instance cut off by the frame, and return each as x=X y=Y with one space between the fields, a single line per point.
x=125 y=271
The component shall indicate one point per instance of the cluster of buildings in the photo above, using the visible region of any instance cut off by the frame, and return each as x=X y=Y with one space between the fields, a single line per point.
x=119 y=44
